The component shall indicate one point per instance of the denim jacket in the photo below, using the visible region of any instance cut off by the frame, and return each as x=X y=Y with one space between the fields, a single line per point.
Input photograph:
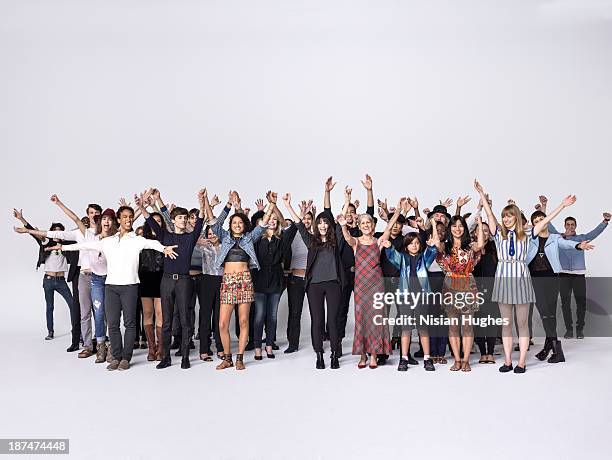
x=400 y=261
x=552 y=248
x=573 y=259
x=246 y=242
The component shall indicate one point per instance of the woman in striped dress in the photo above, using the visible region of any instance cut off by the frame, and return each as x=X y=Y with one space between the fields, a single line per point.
x=513 y=288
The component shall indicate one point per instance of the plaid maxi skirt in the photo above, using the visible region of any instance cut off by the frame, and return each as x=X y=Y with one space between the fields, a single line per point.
x=237 y=288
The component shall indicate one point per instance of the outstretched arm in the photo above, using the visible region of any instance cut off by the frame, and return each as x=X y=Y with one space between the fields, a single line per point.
x=491 y=220
x=541 y=225
x=80 y=225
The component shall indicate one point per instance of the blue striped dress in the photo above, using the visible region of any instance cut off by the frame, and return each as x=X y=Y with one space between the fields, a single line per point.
x=512 y=278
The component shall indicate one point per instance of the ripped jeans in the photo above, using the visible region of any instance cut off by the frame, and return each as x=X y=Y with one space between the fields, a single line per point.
x=97 y=297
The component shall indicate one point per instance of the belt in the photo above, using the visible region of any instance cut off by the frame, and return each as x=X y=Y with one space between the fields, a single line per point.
x=512 y=261
x=296 y=276
x=176 y=276
x=54 y=277
x=86 y=273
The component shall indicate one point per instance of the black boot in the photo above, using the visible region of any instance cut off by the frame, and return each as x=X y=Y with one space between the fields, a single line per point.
x=320 y=360
x=335 y=363
x=543 y=354
x=557 y=356
x=185 y=362
x=176 y=343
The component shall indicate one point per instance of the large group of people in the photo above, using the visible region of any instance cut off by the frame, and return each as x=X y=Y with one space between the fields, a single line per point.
x=471 y=277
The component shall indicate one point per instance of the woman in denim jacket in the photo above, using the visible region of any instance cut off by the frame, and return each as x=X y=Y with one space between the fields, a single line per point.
x=237 y=256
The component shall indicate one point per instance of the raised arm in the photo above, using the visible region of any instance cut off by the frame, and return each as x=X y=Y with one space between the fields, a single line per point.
x=491 y=220
x=345 y=233
x=71 y=215
x=434 y=240
x=480 y=240
x=461 y=202
x=348 y=191
x=367 y=184
x=541 y=225
x=414 y=203
x=403 y=206
x=329 y=186
x=600 y=228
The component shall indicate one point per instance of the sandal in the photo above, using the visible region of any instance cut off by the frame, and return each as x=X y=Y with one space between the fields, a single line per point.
x=227 y=362
x=205 y=357
x=240 y=362
x=362 y=362
x=484 y=359
x=442 y=360
x=373 y=366
x=456 y=366
x=491 y=360
x=466 y=367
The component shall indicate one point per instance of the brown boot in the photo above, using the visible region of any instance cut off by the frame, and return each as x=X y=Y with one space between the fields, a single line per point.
x=150 y=333
x=101 y=353
x=160 y=344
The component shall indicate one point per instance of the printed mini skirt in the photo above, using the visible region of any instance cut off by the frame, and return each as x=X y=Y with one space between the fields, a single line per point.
x=237 y=288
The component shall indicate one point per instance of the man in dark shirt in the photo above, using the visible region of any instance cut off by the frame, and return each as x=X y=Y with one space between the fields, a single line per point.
x=176 y=286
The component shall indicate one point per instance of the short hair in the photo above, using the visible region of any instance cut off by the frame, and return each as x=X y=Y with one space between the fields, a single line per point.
x=537 y=214
x=409 y=238
x=178 y=211
x=193 y=211
x=57 y=225
x=351 y=205
x=568 y=218
x=97 y=207
x=124 y=208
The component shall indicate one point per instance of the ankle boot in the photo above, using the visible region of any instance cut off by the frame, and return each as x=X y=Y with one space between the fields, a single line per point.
x=185 y=362
x=557 y=356
x=335 y=363
x=543 y=354
x=320 y=360
x=160 y=344
x=150 y=333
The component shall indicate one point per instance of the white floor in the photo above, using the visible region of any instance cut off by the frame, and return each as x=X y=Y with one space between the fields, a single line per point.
x=286 y=409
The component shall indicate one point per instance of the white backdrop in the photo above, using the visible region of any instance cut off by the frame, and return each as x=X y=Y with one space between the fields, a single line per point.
x=103 y=98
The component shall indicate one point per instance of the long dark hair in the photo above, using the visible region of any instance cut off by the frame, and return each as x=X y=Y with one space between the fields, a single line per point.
x=330 y=236
x=466 y=238
x=147 y=231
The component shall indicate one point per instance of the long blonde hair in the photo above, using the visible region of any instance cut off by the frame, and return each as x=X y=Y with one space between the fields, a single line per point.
x=513 y=210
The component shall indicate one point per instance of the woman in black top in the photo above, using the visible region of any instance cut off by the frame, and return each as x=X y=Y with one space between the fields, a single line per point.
x=324 y=280
x=484 y=272
x=268 y=283
x=150 y=272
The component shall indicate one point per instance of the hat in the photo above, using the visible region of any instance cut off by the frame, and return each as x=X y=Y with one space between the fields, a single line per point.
x=439 y=209
x=107 y=212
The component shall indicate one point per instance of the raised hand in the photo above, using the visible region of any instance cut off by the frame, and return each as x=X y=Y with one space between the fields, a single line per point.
x=568 y=201
x=538 y=207
x=462 y=201
x=406 y=206
x=18 y=214
x=414 y=203
x=420 y=222
x=356 y=204
x=155 y=194
x=123 y=202
x=260 y=204
x=341 y=220
x=383 y=214
x=215 y=201
x=607 y=216
x=426 y=210
x=367 y=183
x=246 y=211
x=287 y=199
x=272 y=197
x=171 y=207
x=447 y=203
x=543 y=200
x=386 y=244
x=20 y=229
x=347 y=193
x=383 y=205
x=586 y=245
x=329 y=184
x=55 y=199
x=202 y=194
x=478 y=187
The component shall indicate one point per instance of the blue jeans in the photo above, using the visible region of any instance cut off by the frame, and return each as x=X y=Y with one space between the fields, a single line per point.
x=97 y=297
x=50 y=286
x=266 y=310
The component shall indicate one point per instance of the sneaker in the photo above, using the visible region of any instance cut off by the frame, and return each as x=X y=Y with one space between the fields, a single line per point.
x=403 y=365
x=86 y=353
x=101 y=354
x=49 y=336
x=124 y=365
x=113 y=366
x=579 y=334
x=519 y=370
x=290 y=349
x=429 y=365
x=569 y=334
x=506 y=368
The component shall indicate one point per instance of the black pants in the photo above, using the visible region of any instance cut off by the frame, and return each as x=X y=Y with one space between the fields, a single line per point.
x=546 y=287
x=328 y=292
x=295 y=301
x=207 y=288
x=140 y=332
x=577 y=284
x=175 y=291
x=75 y=312
x=118 y=300
x=345 y=302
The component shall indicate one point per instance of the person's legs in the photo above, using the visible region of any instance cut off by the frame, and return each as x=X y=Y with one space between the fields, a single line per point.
x=97 y=296
x=75 y=314
x=167 y=303
x=129 y=305
x=49 y=288
x=565 y=290
x=86 y=306
x=206 y=295
x=295 y=298
x=467 y=332
x=243 y=318
x=506 y=314
x=271 y=317
x=316 y=306
x=63 y=290
x=260 y=316
x=216 y=304
x=113 y=315
x=182 y=293
x=343 y=305
x=333 y=298
x=581 y=299
x=522 y=316
x=225 y=315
